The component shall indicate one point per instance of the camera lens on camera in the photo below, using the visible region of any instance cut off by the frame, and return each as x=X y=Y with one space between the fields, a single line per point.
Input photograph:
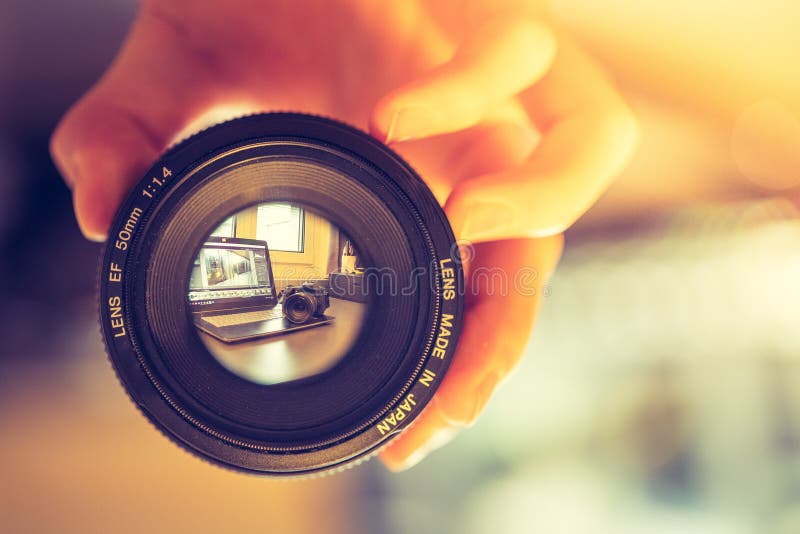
x=299 y=308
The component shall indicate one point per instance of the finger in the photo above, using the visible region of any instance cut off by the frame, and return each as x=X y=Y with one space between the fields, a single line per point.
x=152 y=90
x=588 y=133
x=494 y=336
x=430 y=431
x=498 y=61
x=445 y=160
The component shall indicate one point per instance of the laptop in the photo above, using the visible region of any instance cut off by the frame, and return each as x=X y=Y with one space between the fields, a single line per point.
x=232 y=292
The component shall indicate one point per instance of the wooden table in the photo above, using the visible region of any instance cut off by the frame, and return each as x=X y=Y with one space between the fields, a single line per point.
x=296 y=354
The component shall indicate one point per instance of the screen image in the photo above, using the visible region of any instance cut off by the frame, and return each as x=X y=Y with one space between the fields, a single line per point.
x=218 y=268
x=228 y=268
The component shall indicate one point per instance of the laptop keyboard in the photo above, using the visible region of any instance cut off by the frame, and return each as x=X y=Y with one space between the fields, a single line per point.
x=231 y=319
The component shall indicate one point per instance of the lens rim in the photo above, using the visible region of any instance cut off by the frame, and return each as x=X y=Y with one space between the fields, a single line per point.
x=145 y=388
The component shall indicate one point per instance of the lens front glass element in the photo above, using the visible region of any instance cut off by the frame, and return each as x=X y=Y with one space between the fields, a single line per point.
x=275 y=293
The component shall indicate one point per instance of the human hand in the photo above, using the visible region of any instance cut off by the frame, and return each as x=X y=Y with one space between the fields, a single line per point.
x=463 y=96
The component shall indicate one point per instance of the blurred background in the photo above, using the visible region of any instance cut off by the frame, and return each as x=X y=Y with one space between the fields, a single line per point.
x=661 y=392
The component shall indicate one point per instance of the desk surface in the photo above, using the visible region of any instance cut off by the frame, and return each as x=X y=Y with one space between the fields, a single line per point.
x=296 y=354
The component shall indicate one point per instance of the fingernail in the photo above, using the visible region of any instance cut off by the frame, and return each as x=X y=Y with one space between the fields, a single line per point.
x=436 y=441
x=412 y=122
x=95 y=238
x=485 y=220
x=82 y=211
x=91 y=235
x=407 y=463
x=397 y=466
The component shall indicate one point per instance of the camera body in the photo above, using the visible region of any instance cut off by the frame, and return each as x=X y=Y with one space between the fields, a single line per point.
x=302 y=303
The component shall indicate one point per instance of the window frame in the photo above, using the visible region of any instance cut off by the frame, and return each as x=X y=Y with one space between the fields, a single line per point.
x=302 y=231
x=246 y=224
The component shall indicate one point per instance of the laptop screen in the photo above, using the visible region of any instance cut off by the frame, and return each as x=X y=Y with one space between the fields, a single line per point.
x=230 y=269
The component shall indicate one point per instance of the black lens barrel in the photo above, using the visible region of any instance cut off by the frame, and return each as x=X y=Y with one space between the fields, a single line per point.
x=319 y=423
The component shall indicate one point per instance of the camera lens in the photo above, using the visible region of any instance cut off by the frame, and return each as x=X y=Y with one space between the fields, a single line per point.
x=281 y=294
x=299 y=308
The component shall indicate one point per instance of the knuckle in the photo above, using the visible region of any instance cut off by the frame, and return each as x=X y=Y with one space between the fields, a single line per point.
x=617 y=119
x=56 y=144
x=626 y=123
x=532 y=33
x=526 y=29
x=65 y=140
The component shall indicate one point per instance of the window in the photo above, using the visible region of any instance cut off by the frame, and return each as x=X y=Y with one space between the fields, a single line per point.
x=226 y=229
x=282 y=226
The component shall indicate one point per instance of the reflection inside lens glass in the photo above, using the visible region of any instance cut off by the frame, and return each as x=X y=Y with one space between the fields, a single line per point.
x=276 y=293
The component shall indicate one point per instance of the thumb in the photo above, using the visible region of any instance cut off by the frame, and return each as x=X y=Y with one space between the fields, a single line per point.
x=107 y=140
x=502 y=58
